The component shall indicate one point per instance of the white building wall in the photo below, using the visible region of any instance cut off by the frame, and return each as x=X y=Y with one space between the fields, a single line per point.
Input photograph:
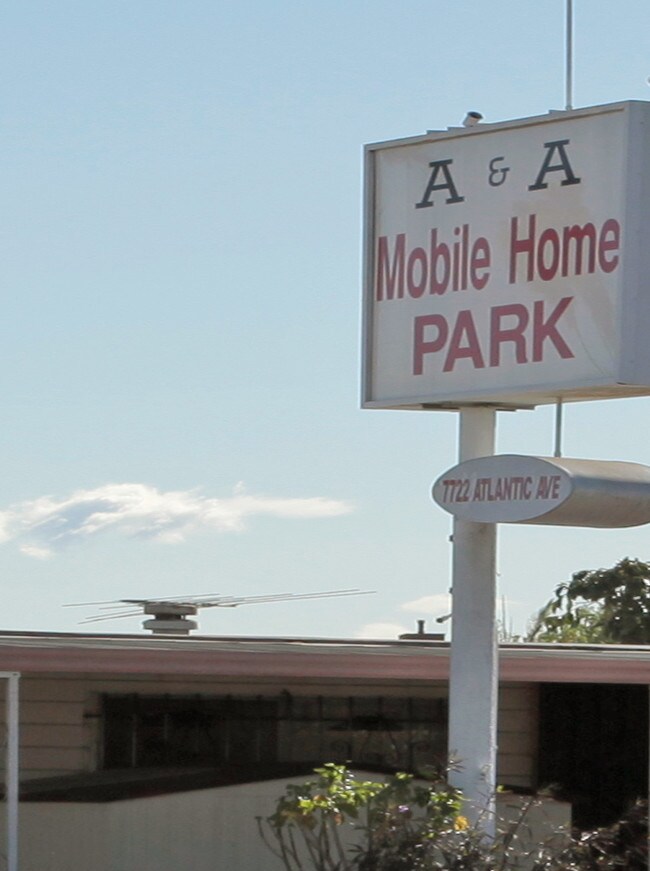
x=57 y=836
x=204 y=830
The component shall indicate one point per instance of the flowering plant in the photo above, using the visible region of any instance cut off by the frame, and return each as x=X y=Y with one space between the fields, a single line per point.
x=337 y=822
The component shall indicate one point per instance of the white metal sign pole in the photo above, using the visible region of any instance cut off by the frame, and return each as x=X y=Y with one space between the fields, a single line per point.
x=11 y=766
x=473 y=679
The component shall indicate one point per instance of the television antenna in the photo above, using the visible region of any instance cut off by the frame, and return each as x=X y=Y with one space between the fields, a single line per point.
x=568 y=63
x=170 y=615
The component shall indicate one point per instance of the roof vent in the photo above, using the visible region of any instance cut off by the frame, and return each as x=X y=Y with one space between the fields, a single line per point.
x=421 y=635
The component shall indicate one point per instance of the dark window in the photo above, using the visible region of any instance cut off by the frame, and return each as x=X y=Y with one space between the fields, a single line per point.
x=150 y=731
x=145 y=731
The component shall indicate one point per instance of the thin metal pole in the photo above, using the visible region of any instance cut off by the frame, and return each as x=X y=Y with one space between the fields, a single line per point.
x=473 y=673
x=569 y=56
x=12 y=771
x=558 y=428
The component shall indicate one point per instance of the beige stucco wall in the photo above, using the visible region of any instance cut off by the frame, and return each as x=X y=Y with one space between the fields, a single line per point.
x=518 y=734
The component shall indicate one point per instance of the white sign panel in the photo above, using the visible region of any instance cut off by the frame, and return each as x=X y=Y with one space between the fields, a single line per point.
x=507 y=263
x=556 y=491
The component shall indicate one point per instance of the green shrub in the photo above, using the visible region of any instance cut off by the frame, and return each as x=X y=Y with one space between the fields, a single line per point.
x=338 y=823
x=623 y=845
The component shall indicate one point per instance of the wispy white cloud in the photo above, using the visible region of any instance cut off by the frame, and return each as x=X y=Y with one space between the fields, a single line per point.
x=381 y=630
x=426 y=607
x=42 y=526
x=435 y=605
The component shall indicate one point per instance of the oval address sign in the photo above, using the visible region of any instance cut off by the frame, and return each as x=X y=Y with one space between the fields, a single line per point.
x=510 y=488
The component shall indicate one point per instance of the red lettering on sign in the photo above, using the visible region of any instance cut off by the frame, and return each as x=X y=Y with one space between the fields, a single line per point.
x=480 y=260
x=548 y=254
x=499 y=334
x=522 y=246
x=578 y=236
x=455 y=266
x=390 y=274
x=572 y=250
x=439 y=255
x=532 y=337
x=464 y=343
x=456 y=490
x=422 y=347
x=610 y=240
x=547 y=329
x=416 y=272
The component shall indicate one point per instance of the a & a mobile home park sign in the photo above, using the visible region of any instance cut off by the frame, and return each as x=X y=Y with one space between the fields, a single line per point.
x=510 y=263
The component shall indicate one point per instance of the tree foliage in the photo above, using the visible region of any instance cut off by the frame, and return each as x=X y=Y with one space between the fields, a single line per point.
x=605 y=606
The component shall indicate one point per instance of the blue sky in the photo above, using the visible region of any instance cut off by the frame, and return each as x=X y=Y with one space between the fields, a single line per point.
x=179 y=352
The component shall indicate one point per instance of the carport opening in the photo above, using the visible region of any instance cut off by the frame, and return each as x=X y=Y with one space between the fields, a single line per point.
x=593 y=748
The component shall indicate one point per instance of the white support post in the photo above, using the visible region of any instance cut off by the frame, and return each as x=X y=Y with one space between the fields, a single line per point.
x=473 y=678
x=11 y=769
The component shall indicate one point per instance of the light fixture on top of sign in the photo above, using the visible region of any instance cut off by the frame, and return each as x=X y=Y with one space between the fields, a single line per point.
x=472 y=119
